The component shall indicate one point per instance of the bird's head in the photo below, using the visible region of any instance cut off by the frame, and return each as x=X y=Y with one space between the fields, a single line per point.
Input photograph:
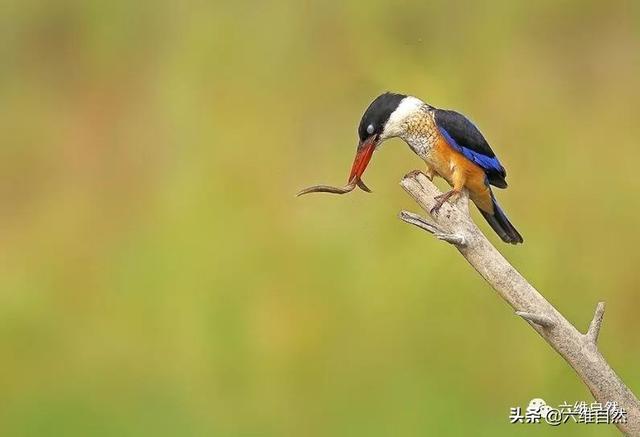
x=386 y=117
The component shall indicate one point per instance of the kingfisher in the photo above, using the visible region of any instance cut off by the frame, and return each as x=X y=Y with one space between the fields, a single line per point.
x=448 y=142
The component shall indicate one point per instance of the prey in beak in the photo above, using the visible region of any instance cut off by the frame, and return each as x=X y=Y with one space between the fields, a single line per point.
x=363 y=156
x=373 y=129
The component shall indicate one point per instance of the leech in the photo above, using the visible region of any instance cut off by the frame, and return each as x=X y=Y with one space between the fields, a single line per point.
x=335 y=190
x=327 y=189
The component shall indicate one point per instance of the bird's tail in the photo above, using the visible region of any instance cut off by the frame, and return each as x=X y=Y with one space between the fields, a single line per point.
x=501 y=224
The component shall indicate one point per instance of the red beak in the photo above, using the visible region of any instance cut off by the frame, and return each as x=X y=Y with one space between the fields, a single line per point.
x=363 y=156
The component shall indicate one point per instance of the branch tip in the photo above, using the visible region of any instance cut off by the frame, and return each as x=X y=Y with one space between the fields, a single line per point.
x=432 y=228
x=418 y=221
x=596 y=323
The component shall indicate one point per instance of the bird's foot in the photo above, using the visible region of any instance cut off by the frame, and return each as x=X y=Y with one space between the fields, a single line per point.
x=441 y=199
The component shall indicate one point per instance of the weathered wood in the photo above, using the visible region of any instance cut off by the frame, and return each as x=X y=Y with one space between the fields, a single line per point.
x=454 y=225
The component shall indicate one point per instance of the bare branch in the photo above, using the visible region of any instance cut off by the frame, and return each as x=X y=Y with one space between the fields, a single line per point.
x=596 y=323
x=579 y=350
x=416 y=220
x=538 y=319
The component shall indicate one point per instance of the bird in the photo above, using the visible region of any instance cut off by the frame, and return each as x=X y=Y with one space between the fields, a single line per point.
x=451 y=146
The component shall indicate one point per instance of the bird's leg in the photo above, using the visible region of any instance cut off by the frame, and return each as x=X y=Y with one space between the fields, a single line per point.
x=430 y=173
x=458 y=179
x=443 y=198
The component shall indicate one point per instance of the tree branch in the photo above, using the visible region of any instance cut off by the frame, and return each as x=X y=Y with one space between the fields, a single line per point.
x=596 y=323
x=538 y=319
x=416 y=220
x=454 y=225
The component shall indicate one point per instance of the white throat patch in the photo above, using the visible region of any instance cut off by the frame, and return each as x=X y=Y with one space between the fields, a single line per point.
x=406 y=109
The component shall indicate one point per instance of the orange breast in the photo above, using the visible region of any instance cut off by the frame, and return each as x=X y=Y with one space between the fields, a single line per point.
x=460 y=172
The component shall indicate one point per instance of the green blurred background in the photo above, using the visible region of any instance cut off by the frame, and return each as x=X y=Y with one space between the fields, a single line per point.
x=158 y=276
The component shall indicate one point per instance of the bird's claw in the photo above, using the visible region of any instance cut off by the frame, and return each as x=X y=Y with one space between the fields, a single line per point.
x=440 y=199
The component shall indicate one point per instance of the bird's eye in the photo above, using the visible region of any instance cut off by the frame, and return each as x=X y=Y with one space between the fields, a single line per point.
x=370 y=129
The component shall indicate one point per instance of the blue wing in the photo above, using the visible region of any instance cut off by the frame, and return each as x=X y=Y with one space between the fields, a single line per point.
x=465 y=137
x=486 y=162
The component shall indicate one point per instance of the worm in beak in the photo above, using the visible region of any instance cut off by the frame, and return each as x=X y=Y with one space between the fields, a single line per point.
x=363 y=156
x=335 y=190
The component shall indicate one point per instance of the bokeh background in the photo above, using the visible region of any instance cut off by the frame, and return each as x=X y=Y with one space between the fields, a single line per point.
x=158 y=276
